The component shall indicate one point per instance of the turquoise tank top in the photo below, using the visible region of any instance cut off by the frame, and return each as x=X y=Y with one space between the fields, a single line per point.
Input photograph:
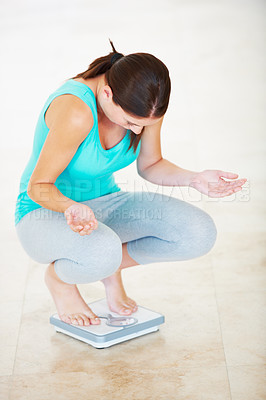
x=90 y=172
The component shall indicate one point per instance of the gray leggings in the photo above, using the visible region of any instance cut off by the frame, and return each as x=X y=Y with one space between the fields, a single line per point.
x=156 y=227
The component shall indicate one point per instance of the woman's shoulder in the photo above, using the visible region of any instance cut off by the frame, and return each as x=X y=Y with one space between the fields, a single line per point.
x=68 y=105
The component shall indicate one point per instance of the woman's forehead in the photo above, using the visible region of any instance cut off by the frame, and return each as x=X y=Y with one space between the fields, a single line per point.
x=138 y=120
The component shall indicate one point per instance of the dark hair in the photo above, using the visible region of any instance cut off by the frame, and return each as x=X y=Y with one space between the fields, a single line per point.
x=140 y=84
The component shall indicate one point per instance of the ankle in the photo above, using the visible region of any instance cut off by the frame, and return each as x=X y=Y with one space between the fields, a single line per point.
x=115 y=279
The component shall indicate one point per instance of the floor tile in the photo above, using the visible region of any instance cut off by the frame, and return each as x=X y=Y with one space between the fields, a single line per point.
x=248 y=382
x=239 y=261
x=5 y=385
x=8 y=354
x=13 y=271
x=243 y=325
x=10 y=322
x=117 y=380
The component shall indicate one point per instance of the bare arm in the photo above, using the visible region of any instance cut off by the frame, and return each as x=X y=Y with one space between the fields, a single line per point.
x=165 y=173
x=155 y=169
x=69 y=128
x=208 y=182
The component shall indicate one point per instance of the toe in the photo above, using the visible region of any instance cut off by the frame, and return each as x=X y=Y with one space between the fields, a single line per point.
x=129 y=305
x=86 y=319
x=125 y=311
x=132 y=303
x=94 y=320
x=76 y=319
x=65 y=318
x=80 y=319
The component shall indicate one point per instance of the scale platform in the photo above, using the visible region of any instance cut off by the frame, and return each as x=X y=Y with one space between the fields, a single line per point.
x=102 y=336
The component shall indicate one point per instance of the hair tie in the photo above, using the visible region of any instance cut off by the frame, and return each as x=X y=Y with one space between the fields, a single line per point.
x=116 y=57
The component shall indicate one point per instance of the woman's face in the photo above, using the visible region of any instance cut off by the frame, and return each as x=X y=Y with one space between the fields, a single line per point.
x=118 y=116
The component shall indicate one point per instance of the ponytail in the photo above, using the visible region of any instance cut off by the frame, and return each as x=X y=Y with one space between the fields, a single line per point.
x=101 y=65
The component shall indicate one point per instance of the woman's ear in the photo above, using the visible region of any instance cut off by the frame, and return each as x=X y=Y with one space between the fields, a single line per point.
x=107 y=93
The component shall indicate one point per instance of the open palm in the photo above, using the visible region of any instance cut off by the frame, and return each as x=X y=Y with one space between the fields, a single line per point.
x=211 y=183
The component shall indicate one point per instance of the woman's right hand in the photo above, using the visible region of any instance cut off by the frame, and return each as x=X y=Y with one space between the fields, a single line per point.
x=81 y=219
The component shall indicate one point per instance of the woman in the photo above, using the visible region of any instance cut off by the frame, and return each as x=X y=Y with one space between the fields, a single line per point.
x=71 y=214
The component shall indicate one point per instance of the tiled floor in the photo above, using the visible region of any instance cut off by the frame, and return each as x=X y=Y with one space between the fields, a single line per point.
x=212 y=345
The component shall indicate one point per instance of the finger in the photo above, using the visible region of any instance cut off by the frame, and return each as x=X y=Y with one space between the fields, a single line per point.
x=88 y=227
x=83 y=233
x=229 y=175
x=219 y=194
x=91 y=225
x=220 y=184
x=217 y=186
x=238 y=185
x=69 y=219
x=237 y=189
x=238 y=182
x=224 y=185
x=86 y=230
x=242 y=181
x=226 y=190
x=76 y=228
x=234 y=185
x=95 y=225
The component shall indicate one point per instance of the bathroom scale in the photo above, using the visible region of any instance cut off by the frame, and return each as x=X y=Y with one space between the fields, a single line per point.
x=114 y=328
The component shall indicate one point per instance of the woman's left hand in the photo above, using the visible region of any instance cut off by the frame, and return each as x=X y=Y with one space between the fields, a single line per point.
x=211 y=183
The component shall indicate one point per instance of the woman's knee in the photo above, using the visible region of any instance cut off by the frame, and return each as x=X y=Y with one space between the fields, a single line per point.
x=195 y=232
x=110 y=255
x=92 y=263
x=100 y=251
x=194 y=228
x=203 y=233
x=104 y=250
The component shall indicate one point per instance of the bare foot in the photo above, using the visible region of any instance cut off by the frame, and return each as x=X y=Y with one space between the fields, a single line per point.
x=70 y=306
x=116 y=296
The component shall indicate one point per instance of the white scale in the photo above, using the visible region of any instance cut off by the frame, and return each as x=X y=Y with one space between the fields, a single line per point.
x=113 y=328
